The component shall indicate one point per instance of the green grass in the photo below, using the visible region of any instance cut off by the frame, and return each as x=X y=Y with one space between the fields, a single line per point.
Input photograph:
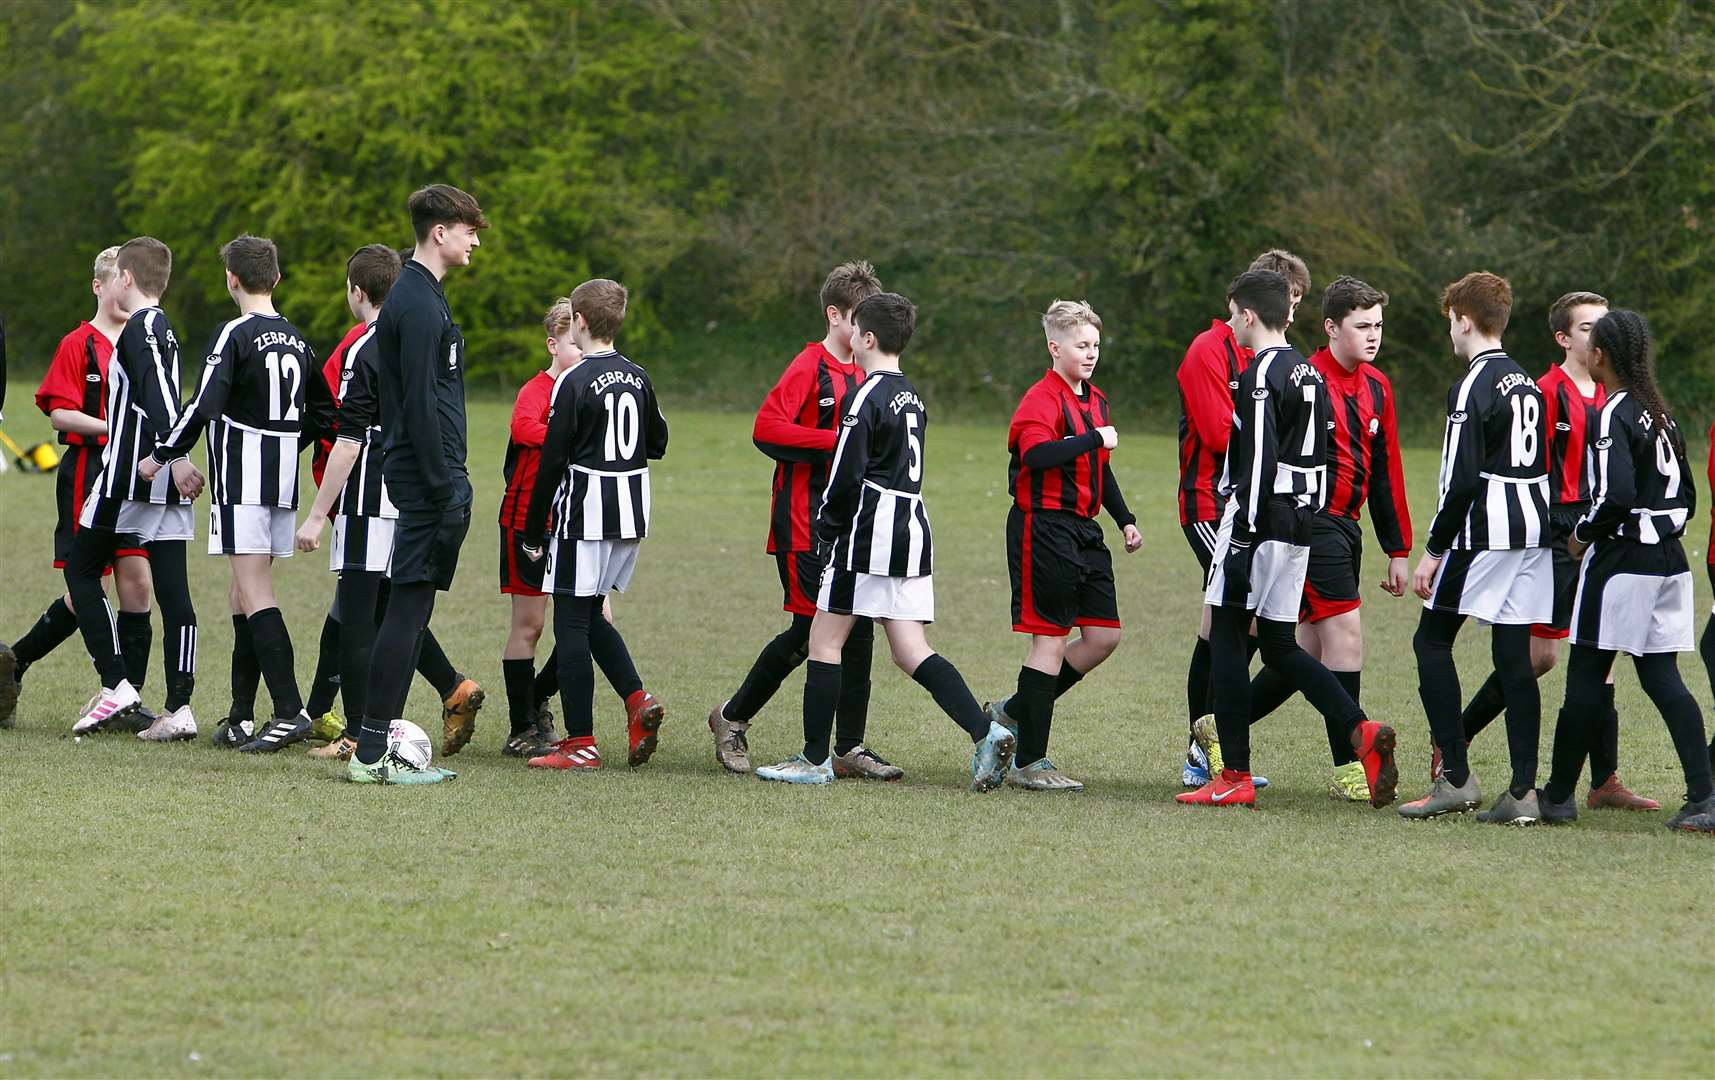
x=179 y=910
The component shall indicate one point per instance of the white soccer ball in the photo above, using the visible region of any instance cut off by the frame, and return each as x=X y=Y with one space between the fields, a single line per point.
x=408 y=745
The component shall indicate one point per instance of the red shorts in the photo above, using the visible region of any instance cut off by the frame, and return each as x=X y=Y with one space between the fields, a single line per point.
x=800 y=580
x=73 y=480
x=520 y=575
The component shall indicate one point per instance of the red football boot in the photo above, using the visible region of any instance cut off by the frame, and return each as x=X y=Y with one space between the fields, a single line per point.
x=1374 y=743
x=642 y=719
x=1228 y=789
x=577 y=753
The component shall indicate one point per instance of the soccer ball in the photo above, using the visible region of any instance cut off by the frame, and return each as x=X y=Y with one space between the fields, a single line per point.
x=408 y=746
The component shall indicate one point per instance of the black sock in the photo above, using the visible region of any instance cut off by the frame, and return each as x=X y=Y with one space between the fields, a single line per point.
x=1228 y=633
x=573 y=616
x=520 y=678
x=1269 y=691
x=178 y=619
x=355 y=597
x=91 y=552
x=1339 y=738
x=821 y=698
x=325 y=688
x=1438 y=687
x=1197 y=682
x=1036 y=718
x=1488 y=703
x=1510 y=646
x=1659 y=675
x=548 y=679
x=851 y=716
x=607 y=649
x=274 y=654
x=944 y=683
x=56 y=625
x=372 y=740
x=778 y=659
x=246 y=672
x=1069 y=677
x=1605 y=752
x=136 y=638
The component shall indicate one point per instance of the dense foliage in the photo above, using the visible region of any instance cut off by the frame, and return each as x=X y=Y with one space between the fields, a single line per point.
x=988 y=155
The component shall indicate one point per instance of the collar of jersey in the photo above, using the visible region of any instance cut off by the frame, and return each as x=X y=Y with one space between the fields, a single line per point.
x=1485 y=354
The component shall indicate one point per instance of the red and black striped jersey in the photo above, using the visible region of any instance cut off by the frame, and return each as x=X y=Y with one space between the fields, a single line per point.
x=332 y=373
x=1711 y=552
x=1363 y=451
x=1570 y=418
x=1207 y=378
x=1050 y=411
x=524 y=449
x=77 y=380
x=797 y=426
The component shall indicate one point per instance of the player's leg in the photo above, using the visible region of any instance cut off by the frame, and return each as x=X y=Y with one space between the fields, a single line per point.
x=355 y=596
x=325 y=684
x=1200 y=535
x=573 y=615
x=800 y=577
x=1454 y=789
x=53 y=627
x=136 y=630
x=1341 y=641
x=518 y=671
x=91 y=552
x=852 y=758
x=409 y=607
x=1510 y=649
x=1575 y=731
x=828 y=633
x=253 y=581
x=909 y=645
x=1658 y=673
x=1230 y=782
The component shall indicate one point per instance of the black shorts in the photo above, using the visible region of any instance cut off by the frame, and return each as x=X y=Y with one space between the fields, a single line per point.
x=520 y=575
x=73 y=480
x=1560 y=523
x=1331 y=580
x=426 y=546
x=1201 y=536
x=800 y=580
x=1062 y=573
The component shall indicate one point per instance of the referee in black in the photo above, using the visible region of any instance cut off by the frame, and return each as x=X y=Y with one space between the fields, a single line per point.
x=423 y=437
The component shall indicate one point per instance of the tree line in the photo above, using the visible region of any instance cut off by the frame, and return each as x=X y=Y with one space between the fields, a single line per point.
x=987 y=155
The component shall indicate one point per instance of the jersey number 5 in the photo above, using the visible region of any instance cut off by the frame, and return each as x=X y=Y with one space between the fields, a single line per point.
x=915 y=468
x=621 y=427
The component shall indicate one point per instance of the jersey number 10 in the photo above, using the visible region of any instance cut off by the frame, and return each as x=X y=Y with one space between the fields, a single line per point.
x=622 y=427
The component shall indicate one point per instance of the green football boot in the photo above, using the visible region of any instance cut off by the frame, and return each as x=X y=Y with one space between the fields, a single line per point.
x=391 y=772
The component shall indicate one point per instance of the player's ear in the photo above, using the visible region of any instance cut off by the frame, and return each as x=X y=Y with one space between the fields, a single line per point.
x=1330 y=327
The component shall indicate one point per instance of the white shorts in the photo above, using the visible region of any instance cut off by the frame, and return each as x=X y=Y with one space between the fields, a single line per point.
x=251 y=530
x=361 y=544
x=589 y=567
x=1507 y=587
x=1634 y=599
x=852 y=592
x=149 y=522
x=1277 y=570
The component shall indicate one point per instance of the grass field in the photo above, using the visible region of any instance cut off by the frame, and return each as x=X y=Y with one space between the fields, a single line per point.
x=180 y=910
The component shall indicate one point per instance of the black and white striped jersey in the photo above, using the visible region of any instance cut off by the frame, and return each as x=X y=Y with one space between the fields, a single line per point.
x=1494 y=462
x=254 y=400
x=1279 y=446
x=365 y=490
x=604 y=427
x=142 y=407
x=872 y=509
x=1643 y=490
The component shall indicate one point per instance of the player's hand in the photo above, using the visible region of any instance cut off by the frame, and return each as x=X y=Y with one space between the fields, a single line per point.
x=1110 y=437
x=1574 y=546
x=1423 y=578
x=534 y=554
x=148 y=468
x=1397 y=576
x=187 y=479
x=1133 y=538
x=309 y=536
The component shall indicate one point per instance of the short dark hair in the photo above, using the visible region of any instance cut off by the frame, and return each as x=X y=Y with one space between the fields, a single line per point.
x=1560 y=312
x=1484 y=298
x=1345 y=295
x=254 y=261
x=849 y=284
x=442 y=204
x=1288 y=266
x=150 y=263
x=601 y=301
x=373 y=268
x=890 y=317
x=1265 y=292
